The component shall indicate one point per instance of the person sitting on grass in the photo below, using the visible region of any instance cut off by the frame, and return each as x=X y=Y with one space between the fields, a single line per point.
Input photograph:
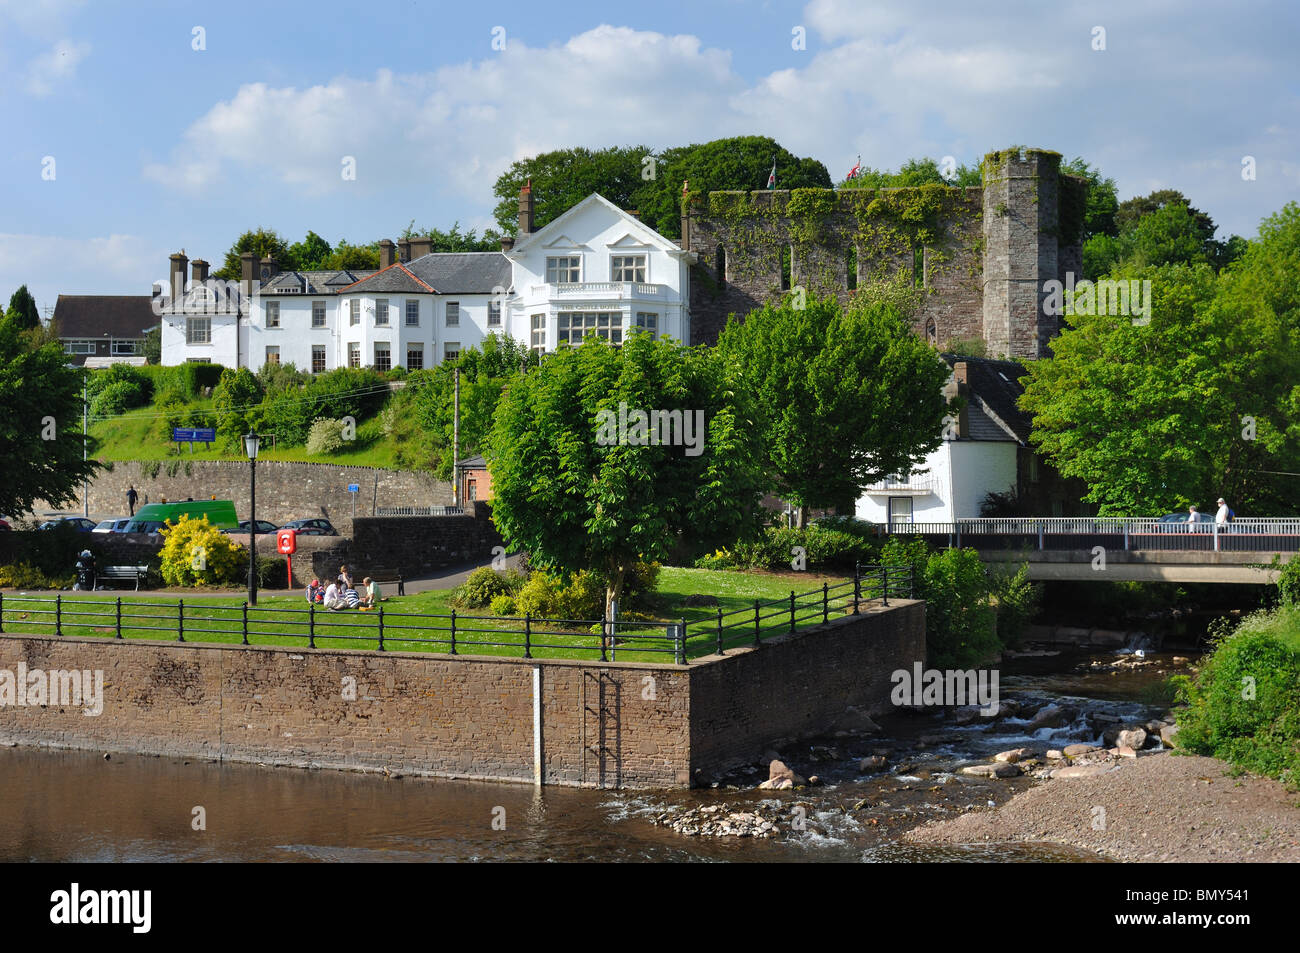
x=350 y=598
x=372 y=596
x=314 y=593
x=334 y=597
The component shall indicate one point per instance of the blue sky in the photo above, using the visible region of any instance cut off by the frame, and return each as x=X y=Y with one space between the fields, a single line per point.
x=158 y=146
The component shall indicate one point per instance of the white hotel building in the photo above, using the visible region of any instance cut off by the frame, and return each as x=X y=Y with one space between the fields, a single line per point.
x=595 y=269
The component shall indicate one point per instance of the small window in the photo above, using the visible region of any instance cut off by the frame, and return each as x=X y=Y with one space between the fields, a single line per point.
x=124 y=347
x=851 y=268
x=494 y=314
x=451 y=350
x=383 y=356
x=627 y=268
x=317 y=358
x=354 y=354
x=354 y=311
x=198 y=331
x=273 y=314
x=381 y=312
x=538 y=340
x=562 y=270
x=471 y=490
x=648 y=322
x=900 y=510
x=413 y=312
x=932 y=332
x=453 y=314
x=787 y=267
x=318 y=314
x=415 y=357
x=273 y=354
x=721 y=275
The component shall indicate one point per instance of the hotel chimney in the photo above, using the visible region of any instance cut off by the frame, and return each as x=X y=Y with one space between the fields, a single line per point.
x=387 y=251
x=526 y=210
x=179 y=261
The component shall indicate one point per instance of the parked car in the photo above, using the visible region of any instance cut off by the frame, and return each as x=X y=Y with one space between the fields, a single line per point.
x=1179 y=523
x=152 y=517
x=4 y=525
x=312 y=527
x=79 y=523
x=114 y=524
x=263 y=526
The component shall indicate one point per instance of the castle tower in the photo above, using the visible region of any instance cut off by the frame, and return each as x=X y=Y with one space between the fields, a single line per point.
x=1021 y=224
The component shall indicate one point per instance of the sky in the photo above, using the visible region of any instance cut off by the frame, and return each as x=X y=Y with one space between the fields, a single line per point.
x=134 y=130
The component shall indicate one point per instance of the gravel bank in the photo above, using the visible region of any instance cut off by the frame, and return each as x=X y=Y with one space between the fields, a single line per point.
x=1160 y=807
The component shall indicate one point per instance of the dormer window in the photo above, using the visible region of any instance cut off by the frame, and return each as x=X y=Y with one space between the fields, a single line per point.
x=627 y=268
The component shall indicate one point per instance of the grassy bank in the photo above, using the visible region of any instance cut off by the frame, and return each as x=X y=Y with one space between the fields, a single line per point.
x=282 y=619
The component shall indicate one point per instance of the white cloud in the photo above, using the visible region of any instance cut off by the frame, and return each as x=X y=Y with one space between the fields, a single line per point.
x=56 y=67
x=51 y=265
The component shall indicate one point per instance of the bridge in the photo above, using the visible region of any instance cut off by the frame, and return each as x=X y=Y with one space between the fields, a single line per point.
x=1104 y=549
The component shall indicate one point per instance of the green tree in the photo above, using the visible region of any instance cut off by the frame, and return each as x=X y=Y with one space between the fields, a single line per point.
x=311 y=253
x=22 y=310
x=40 y=433
x=261 y=242
x=739 y=162
x=842 y=398
x=235 y=400
x=913 y=173
x=346 y=257
x=455 y=239
x=1200 y=402
x=564 y=177
x=153 y=345
x=1102 y=203
x=572 y=494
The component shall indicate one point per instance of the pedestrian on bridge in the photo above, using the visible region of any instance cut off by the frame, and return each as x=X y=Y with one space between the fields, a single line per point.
x=1225 y=515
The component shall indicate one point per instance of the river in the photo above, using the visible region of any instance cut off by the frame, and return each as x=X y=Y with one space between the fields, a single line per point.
x=78 y=806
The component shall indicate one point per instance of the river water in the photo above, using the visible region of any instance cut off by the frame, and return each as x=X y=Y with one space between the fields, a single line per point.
x=78 y=806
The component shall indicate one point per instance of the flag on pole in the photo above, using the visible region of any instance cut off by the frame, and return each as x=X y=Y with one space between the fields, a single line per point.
x=853 y=172
x=771 y=178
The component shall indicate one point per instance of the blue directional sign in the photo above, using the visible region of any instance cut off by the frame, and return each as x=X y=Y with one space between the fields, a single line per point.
x=354 y=487
x=194 y=434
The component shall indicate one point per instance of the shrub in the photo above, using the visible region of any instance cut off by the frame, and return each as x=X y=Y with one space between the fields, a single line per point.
x=325 y=436
x=502 y=605
x=272 y=572
x=482 y=586
x=24 y=575
x=116 y=398
x=1288 y=582
x=1017 y=601
x=959 y=622
x=1243 y=702
x=537 y=596
x=196 y=553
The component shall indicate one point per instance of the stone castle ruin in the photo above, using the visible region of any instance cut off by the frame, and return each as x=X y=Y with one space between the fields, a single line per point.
x=980 y=257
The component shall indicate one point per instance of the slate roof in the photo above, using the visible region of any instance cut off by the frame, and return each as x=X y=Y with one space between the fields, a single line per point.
x=93 y=316
x=994 y=389
x=394 y=279
x=315 y=282
x=471 y=272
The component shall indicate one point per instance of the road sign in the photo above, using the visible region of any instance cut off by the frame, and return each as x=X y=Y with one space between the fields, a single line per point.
x=194 y=434
x=354 y=487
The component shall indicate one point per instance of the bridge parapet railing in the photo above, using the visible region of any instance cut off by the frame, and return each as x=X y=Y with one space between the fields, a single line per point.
x=1248 y=534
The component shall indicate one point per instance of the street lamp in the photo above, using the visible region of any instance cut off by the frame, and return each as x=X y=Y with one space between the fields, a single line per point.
x=251 y=444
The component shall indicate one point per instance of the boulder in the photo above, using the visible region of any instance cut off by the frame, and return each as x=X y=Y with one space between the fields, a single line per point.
x=1126 y=752
x=1006 y=770
x=1081 y=770
x=1167 y=736
x=1180 y=660
x=874 y=763
x=979 y=770
x=776 y=784
x=777 y=771
x=1054 y=755
x=1051 y=716
x=1135 y=738
x=857 y=721
x=1015 y=754
x=1074 y=751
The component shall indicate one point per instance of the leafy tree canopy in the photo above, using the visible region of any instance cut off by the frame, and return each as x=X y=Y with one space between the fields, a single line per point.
x=1157 y=229
x=578 y=496
x=311 y=253
x=346 y=257
x=842 y=398
x=564 y=177
x=1201 y=402
x=22 y=310
x=912 y=173
x=455 y=239
x=40 y=431
x=261 y=242
x=1102 y=203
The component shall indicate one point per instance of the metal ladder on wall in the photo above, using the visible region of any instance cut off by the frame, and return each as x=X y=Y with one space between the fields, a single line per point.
x=600 y=726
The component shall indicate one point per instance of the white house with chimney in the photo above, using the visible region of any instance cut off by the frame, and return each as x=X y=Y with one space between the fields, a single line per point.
x=596 y=269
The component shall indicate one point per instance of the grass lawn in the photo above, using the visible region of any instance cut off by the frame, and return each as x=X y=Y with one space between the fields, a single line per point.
x=129 y=437
x=422 y=622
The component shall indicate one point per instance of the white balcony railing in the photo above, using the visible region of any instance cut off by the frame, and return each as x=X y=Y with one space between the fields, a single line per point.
x=910 y=485
x=615 y=290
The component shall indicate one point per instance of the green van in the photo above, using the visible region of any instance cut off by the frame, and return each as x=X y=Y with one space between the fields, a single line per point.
x=152 y=517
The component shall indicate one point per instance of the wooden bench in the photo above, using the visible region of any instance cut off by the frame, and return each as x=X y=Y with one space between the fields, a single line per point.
x=122 y=574
x=391 y=579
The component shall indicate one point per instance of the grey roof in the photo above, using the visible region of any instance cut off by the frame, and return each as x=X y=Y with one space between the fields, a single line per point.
x=394 y=278
x=315 y=282
x=995 y=389
x=93 y=316
x=471 y=272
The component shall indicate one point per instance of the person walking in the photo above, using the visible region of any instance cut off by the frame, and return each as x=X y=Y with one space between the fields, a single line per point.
x=131 y=497
x=1225 y=515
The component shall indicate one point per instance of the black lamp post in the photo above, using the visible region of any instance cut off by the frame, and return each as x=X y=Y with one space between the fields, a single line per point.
x=251 y=444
